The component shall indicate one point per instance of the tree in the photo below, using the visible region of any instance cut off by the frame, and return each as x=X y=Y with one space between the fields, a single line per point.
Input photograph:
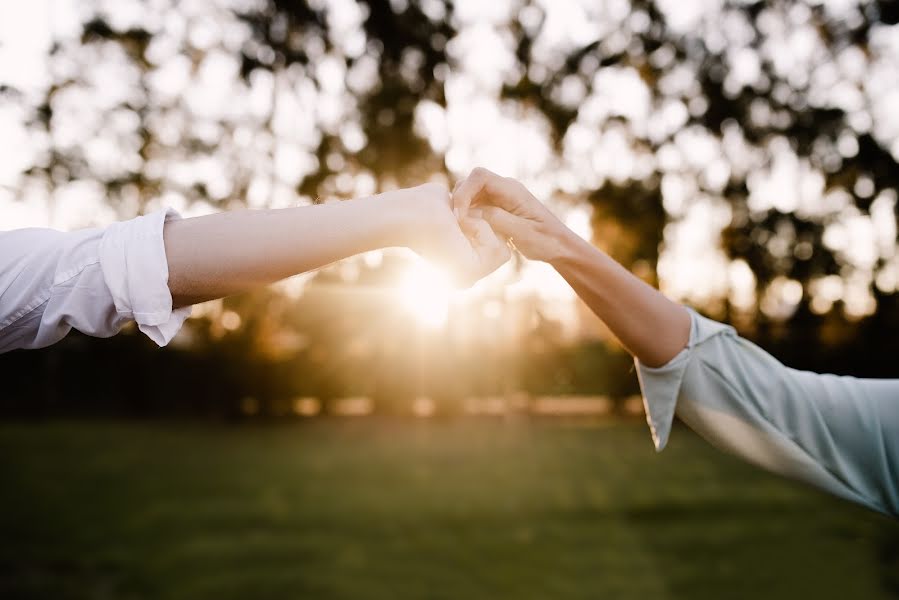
x=764 y=130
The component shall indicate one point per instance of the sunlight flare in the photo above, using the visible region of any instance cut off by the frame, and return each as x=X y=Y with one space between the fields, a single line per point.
x=425 y=292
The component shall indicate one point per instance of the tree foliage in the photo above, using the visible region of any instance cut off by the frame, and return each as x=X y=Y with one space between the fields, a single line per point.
x=774 y=114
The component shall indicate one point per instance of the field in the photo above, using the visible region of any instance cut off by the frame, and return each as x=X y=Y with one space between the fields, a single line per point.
x=462 y=509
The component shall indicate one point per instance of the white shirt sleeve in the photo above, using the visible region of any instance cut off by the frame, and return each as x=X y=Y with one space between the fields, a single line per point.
x=93 y=280
x=840 y=434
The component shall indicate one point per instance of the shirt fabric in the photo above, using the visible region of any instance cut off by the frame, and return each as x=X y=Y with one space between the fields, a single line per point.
x=840 y=434
x=93 y=280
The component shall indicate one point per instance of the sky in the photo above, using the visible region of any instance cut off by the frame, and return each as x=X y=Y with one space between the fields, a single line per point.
x=475 y=128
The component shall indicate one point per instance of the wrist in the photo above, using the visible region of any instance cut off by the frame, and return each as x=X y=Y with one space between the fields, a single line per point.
x=396 y=213
x=414 y=214
x=566 y=246
x=569 y=249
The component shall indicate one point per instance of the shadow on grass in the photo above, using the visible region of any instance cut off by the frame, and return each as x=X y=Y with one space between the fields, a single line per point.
x=888 y=555
x=750 y=546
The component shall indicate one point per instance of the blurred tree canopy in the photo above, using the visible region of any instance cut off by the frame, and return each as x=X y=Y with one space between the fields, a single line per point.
x=741 y=154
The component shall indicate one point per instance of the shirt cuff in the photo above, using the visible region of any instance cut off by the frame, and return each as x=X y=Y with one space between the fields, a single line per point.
x=132 y=256
x=660 y=386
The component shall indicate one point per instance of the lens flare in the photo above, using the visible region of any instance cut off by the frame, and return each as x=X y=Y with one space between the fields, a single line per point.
x=425 y=292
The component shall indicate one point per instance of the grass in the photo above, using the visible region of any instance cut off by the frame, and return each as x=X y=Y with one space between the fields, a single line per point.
x=400 y=509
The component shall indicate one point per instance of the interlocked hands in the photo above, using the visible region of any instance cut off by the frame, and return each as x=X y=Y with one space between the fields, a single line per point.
x=470 y=229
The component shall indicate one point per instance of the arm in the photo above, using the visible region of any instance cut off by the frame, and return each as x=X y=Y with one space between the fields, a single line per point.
x=836 y=433
x=840 y=434
x=218 y=255
x=652 y=327
x=97 y=280
x=649 y=325
x=92 y=280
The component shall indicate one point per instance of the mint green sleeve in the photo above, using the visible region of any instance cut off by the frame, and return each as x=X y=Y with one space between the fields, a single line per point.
x=840 y=434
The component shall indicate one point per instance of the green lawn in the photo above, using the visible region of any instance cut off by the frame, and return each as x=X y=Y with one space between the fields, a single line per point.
x=411 y=509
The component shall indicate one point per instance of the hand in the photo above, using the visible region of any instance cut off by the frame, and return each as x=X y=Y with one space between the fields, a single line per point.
x=468 y=247
x=513 y=212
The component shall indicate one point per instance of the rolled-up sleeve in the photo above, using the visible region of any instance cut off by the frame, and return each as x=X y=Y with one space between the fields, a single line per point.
x=838 y=433
x=93 y=280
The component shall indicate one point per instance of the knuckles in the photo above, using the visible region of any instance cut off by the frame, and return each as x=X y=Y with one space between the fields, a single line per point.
x=480 y=173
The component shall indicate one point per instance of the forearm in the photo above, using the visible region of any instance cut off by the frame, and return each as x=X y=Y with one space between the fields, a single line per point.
x=227 y=253
x=652 y=327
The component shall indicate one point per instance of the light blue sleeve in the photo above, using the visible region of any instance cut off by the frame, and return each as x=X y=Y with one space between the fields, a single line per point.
x=838 y=433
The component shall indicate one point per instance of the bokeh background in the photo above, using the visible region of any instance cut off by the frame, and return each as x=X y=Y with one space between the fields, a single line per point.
x=366 y=431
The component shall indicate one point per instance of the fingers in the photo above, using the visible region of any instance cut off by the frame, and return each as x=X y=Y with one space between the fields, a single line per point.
x=501 y=221
x=481 y=182
x=492 y=251
x=461 y=258
x=465 y=192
